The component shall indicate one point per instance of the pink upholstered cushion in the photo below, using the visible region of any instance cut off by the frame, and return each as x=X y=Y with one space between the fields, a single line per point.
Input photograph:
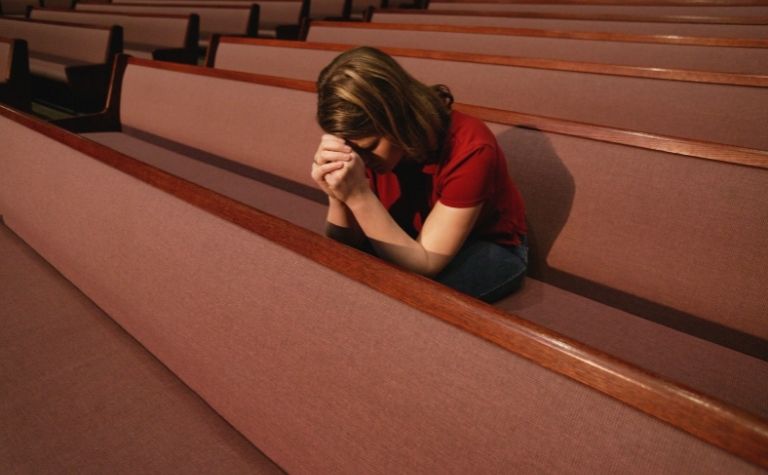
x=226 y=118
x=67 y=41
x=159 y=31
x=82 y=395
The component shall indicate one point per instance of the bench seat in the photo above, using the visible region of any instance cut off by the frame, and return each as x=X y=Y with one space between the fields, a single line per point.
x=14 y=73
x=727 y=374
x=81 y=394
x=296 y=203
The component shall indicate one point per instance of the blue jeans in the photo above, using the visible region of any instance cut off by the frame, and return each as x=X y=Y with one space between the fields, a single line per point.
x=487 y=270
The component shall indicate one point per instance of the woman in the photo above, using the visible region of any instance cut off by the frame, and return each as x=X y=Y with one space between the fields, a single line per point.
x=425 y=187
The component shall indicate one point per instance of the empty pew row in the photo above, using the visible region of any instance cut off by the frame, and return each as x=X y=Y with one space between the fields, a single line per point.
x=14 y=73
x=719 y=27
x=728 y=109
x=81 y=395
x=239 y=163
x=612 y=8
x=16 y=7
x=234 y=20
x=327 y=359
x=743 y=56
x=319 y=9
x=69 y=63
x=161 y=37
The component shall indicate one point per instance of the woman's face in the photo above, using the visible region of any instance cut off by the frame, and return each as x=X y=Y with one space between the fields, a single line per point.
x=378 y=153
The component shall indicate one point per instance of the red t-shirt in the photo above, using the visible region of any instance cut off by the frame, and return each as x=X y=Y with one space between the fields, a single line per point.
x=472 y=170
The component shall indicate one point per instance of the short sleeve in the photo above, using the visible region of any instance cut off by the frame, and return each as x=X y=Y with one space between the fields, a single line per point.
x=468 y=180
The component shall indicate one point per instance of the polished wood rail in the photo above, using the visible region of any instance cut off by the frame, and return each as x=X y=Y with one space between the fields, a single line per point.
x=577 y=35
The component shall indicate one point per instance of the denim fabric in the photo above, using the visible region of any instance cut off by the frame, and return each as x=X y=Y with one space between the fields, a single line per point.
x=487 y=270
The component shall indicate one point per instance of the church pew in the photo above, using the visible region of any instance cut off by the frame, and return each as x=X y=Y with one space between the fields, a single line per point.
x=739 y=9
x=234 y=158
x=14 y=73
x=719 y=27
x=728 y=109
x=81 y=395
x=69 y=63
x=328 y=359
x=741 y=56
x=317 y=9
x=16 y=7
x=233 y=20
x=160 y=37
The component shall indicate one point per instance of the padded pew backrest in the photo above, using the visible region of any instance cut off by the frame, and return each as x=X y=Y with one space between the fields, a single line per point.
x=170 y=31
x=705 y=54
x=678 y=104
x=180 y=103
x=724 y=27
x=81 y=43
x=329 y=360
x=234 y=20
x=594 y=196
x=739 y=9
x=271 y=12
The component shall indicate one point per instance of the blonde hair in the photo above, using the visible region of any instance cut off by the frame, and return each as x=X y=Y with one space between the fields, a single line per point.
x=365 y=93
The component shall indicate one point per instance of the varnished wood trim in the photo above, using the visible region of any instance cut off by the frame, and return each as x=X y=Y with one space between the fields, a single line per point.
x=89 y=12
x=576 y=35
x=755 y=80
x=678 y=146
x=232 y=75
x=681 y=3
x=714 y=20
x=702 y=416
x=117 y=6
x=57 y=23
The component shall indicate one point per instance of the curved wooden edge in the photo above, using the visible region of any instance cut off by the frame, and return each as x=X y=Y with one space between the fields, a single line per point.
x=90 y=12
x=732 y=79
x=117 y=6
x=713 y=20
x=681 y=3
x=575 y=35
x=711 y=420
x=57 y=23
x=677 y=146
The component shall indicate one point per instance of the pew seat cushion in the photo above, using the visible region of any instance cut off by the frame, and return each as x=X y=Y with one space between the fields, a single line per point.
x=262 y=192
x=700 y=364
x=81 y=395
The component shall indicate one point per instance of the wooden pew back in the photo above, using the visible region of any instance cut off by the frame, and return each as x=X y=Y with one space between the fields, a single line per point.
x=87 y=44
x=233 y=20
x=635 y=99
x=171 y=31
x=755 y=27
x=704 y=54
x=601 y=178
x=616 y=8
x=325 y=349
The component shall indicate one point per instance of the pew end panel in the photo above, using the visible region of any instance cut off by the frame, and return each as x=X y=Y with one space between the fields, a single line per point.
x=14 y=74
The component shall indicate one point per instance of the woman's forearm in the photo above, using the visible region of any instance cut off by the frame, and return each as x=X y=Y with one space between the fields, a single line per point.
x=389 y=240
x=341 y=225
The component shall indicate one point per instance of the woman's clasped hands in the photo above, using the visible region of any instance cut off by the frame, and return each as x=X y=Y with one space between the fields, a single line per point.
x=338 y=169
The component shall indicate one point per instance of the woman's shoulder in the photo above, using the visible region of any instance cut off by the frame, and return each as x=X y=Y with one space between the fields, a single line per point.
x=468 y=134
x=470 y=131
